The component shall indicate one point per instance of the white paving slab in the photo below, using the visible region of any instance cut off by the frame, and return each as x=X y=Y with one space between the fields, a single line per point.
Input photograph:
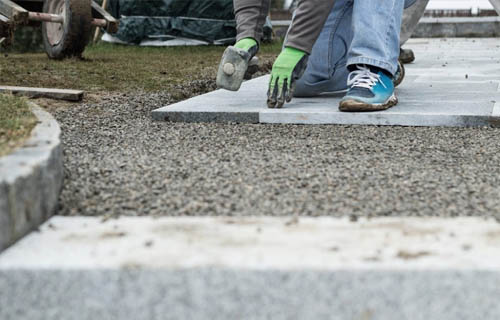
x=254 y=268
x=454 y=82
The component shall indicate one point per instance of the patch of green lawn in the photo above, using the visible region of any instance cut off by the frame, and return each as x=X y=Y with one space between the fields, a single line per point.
x=16 y=122
x=109 y=68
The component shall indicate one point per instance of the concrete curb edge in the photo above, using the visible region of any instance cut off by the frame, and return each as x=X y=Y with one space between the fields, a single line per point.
x=30 y=180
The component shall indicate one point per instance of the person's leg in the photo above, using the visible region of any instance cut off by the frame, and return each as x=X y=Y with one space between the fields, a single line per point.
x=326 y=70
x=376 y=26
x=373 y=55
x=414 y=10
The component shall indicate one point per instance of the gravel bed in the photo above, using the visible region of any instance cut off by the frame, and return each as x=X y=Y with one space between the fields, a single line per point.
x=120 y=162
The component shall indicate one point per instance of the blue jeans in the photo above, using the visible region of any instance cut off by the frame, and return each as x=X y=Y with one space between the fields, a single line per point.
x=356 y=32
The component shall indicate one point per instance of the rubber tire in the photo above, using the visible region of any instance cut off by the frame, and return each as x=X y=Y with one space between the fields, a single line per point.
x=76 y=29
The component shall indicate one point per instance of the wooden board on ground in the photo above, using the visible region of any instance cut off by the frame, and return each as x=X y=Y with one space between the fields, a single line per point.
x=59 y=94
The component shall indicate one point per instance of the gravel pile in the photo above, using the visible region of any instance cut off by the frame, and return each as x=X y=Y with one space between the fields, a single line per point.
x=119 y=162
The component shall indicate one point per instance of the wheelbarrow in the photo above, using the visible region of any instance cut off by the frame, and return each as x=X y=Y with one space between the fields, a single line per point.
x=66 y=24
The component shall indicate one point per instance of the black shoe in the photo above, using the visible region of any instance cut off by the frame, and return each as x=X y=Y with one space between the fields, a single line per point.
x=406 y=55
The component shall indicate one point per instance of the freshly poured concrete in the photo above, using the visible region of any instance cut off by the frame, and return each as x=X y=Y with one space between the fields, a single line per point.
x=453 y=82
x=254 y=268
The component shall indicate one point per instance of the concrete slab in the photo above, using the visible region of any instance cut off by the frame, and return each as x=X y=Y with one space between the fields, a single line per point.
x=454 y=82
x=254 y=268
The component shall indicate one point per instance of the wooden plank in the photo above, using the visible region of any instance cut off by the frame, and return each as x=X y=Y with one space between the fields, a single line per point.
x=112 y=22
x=496 y=5
x=13 y=11
x=58 y=94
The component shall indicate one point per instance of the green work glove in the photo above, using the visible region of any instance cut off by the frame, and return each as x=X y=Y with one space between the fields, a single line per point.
x=288 y=67
x=234 y=65
x=247 y=44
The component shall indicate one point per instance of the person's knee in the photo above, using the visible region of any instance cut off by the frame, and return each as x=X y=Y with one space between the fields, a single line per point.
x=309 y=86
x=304 y=89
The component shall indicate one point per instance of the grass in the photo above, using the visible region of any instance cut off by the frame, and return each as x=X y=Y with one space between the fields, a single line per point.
x=111 y=68
x=16 y=122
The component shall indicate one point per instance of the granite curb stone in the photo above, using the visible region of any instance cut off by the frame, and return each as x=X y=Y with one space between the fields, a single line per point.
x=78 y=268
x=229 y=294
x=30 y=180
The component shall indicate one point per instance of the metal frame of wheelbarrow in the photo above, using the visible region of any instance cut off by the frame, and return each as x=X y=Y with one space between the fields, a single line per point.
x=29 y=12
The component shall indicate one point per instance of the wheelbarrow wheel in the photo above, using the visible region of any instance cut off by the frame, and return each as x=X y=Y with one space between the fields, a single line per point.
x=69 y=38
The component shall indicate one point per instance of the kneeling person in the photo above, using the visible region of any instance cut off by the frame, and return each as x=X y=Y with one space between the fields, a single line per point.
x=362 y=37
x=291 y=63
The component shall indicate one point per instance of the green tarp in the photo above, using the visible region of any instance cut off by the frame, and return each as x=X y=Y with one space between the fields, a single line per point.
x=211 y=21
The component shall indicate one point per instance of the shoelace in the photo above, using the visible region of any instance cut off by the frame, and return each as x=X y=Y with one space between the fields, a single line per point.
x=363 y=78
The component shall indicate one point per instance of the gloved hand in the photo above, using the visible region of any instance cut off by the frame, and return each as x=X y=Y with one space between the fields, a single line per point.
x=234 y=64
x=252 y=47
x=248 y=44
x=288 y=67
